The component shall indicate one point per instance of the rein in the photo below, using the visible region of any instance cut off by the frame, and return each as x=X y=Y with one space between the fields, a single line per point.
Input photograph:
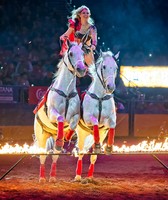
x=60 y=92
x=101 y=80
x=73 y=67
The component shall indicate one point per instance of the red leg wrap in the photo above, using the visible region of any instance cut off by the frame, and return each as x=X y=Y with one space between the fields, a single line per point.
x=69 y=134
x=91 y=170
x=96 y=133
x=59 y=140
x=60 y=130
x=111 y=134
x=53 y=170
x=42 y=171
x=79 y=168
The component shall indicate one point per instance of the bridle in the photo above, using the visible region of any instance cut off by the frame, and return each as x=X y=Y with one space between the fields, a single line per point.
x=103 y=82
x=101 y=76
x=73 y=67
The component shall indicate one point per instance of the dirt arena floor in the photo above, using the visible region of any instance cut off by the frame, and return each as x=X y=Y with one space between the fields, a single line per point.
x=116 y=177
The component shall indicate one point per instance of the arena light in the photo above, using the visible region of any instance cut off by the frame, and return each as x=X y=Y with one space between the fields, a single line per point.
x=144 y=76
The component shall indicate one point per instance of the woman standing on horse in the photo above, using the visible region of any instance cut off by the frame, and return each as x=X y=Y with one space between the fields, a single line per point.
x=82 y=30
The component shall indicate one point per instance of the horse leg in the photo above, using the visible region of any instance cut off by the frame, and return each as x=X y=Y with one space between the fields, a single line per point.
x=73 y=124
x=42 y=178
x=50 y=147
x=54 y=116
x=40 y=141
x=79 y=169
x=82 y=135
x=94 y=121
x=69 y=134
x=93 y=159
x=110 y=141
x=96 y=146
x=52 y=178
x=60 y=135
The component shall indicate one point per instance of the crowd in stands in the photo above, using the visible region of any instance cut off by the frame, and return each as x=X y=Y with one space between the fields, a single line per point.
x=29 y=42
x=29 y=45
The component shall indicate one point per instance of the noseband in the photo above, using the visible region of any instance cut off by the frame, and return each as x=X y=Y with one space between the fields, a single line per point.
x=69 y=59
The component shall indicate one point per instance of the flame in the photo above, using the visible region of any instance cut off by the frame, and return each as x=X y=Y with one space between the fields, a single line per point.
x=142 y=147
x=17 y=149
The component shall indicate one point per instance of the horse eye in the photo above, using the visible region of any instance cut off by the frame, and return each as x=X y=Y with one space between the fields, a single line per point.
x=71 y=54
x=104 y=66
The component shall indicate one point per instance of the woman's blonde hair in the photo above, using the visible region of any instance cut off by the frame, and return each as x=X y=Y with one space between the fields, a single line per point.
x=76 y=12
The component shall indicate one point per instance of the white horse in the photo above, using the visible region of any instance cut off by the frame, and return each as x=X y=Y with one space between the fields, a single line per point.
x=60 y=111
x=99 y=112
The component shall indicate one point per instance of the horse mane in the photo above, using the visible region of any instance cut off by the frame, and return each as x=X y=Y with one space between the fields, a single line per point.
x=104 y=54
x=93 y=68
x=58 y=67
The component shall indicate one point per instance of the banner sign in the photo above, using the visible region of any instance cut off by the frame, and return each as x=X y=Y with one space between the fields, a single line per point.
x=9 y=94
x=36 y=93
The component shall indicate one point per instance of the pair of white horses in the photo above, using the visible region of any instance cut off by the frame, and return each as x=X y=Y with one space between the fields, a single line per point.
x=60 y=114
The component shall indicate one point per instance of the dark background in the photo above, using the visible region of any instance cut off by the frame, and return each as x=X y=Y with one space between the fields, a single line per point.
x=137 y=28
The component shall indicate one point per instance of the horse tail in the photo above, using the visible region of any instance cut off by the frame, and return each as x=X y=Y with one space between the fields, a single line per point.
x=89 y=141
x=50 y=144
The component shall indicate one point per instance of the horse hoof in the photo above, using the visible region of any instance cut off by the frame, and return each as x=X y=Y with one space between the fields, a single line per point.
x=74 y=138
x=90 y=179
x=52 y=179
x=75 y=181
x=97 y=148
x=42 y=180
x=58 y=148
x=59 y=144
x=85 y=181
x=77 y=178
x=108 y=150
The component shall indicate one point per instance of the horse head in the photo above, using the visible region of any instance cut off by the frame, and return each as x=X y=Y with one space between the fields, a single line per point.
x=106 y=66
x=75 y=56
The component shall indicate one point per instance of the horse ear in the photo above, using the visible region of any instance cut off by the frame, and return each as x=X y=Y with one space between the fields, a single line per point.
x=101 y=53
x=69 y=43
x=117 y=55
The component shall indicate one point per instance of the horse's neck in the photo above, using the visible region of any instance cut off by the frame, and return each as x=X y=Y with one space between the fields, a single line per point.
x=65 y=80
x=97 y=88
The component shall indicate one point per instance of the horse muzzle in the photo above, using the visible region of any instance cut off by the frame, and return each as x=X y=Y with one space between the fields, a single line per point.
x=81 y=70
x=110 y=88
